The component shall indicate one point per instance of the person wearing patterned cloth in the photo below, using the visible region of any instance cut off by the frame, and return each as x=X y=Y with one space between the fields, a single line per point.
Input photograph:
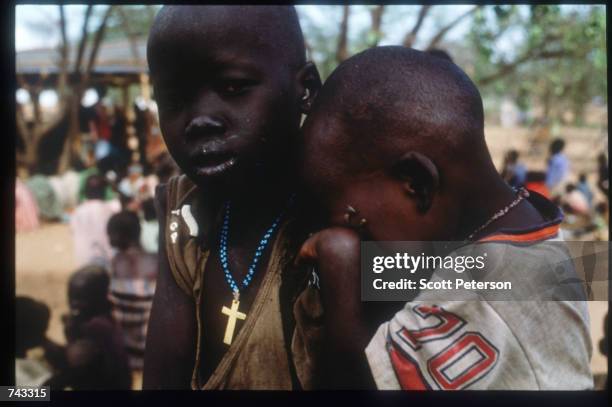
x=88 y=224
x=394 y=150
x=26 y=209
x=132 y=283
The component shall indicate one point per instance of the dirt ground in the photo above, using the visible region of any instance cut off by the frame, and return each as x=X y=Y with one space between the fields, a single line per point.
x=44 y=258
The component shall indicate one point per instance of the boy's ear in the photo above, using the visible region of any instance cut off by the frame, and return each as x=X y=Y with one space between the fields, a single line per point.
x=309 y=82
x=419 y=177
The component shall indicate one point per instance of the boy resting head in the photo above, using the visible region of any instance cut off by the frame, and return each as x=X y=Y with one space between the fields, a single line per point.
x=394 y=148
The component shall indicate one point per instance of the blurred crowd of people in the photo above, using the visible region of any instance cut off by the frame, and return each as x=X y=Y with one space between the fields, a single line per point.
x=585 y=216
x=109 y=207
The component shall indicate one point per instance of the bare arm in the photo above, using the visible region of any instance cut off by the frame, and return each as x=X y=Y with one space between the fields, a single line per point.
x=172 y=331
x=336 y=253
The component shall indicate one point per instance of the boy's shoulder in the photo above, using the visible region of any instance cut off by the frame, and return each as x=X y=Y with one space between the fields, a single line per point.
x=479 y=343
x=175 y=194
x=456 y=345
x=177 y=188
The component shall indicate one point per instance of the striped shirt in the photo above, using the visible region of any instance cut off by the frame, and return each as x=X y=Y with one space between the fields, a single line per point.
x=131 y=293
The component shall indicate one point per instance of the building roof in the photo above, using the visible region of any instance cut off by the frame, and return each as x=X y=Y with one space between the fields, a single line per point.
x=114 y=57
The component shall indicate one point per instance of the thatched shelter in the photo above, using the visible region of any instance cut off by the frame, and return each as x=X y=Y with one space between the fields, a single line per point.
x=118 y=63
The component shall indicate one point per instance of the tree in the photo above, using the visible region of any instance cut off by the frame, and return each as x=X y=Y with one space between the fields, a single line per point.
x=559 y=65
x=319 y=36
x=72 y=81
x=412 y=35
x=375 y=34
x=553 y=56
x=78 y=87
x=444 y=30
x=342 y=48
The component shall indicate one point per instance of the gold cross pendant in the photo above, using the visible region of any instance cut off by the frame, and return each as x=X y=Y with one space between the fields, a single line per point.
x=233 y=314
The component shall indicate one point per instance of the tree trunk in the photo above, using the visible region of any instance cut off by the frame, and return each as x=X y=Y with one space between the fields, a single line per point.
x=72 y=144
x=412 y=35
x=376 y=15
x=342 y=49
x=508 y=68
x=546 y=103
x=31 y=131
x=438 y=37
x=133 y=39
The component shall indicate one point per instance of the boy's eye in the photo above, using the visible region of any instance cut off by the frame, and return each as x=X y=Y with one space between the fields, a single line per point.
x=233 y=87
x=170 y=100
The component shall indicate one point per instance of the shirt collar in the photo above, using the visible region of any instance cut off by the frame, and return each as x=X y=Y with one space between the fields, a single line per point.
x=548 y=229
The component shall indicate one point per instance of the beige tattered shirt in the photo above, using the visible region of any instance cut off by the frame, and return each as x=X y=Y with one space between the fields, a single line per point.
x=277 y=346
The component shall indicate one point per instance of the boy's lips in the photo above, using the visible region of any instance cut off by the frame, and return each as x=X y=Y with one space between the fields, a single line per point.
x=212 y=163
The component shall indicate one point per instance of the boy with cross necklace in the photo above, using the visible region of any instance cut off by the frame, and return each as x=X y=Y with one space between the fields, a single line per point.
x=231 y=83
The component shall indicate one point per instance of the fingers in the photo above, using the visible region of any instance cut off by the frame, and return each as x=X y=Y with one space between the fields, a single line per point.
x=308 y=251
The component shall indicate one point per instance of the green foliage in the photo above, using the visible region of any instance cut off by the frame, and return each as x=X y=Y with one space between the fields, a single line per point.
x=139 y=18
x=546 y=56
x=559 y=64
x=542 y=56
x=322 y=42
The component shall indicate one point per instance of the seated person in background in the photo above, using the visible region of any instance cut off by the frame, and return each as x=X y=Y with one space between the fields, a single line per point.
x=601 y=221
x=135 y=188
x=32 y=323
x=598 y=224
x=66 y=187
x=603 y=180
x=49 y=206
x=149 y=226
x=514 y=172
x=394 y=147
x=583 y=186
x=132 y=285
x=574 y=202
x=536 y=181
x=95 y=357
x=105 y=168
x=88 y=224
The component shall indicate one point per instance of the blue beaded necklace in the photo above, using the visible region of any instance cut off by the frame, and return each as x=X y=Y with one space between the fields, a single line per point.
x=233 y=313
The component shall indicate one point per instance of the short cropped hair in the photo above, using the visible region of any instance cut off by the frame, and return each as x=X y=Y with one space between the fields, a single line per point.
x=126 y=224
x=95 y=187
x=277 y=26
x=390 y=98
x=32 y=321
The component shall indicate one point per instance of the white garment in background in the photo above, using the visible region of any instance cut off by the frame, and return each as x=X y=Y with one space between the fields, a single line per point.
x=66 y=188
x=88 y=224
x=149 y=232
x=577 y=201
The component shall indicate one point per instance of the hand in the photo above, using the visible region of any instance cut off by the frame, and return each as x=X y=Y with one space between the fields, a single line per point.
x=335 y=243
x=336 y=251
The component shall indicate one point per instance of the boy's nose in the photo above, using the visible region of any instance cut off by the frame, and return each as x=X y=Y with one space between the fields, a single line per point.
x=204 y=126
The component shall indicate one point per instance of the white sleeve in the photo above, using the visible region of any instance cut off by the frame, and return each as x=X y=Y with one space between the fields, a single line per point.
x=449 y=346
x=453 y=345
